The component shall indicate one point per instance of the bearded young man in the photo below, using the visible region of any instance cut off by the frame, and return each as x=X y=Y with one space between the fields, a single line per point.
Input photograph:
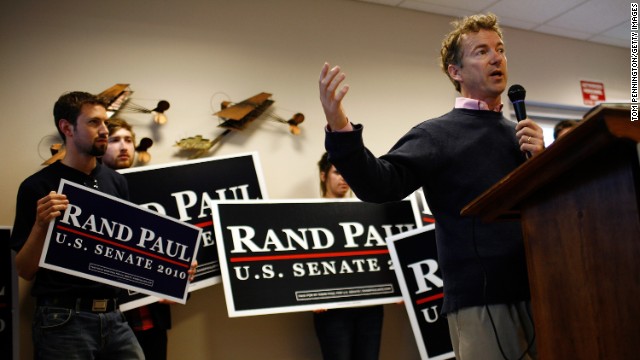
x=67 y=323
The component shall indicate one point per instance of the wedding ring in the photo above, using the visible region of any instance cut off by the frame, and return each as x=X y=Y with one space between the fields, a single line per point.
x=529 y=140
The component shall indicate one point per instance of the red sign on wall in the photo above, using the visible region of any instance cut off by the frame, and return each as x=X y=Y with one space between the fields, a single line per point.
x=592 y=92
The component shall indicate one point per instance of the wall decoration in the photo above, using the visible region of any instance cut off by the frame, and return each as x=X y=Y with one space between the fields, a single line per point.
x=143 y=155
x=236 y=117
x=119 y=99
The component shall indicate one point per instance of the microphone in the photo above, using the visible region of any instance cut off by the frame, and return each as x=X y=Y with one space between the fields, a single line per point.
x=516 y=95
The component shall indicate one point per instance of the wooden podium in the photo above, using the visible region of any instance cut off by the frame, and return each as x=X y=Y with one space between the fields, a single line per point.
x=579 y=205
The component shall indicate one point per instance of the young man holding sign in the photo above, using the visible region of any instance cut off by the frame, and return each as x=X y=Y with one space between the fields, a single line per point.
x=75 y=318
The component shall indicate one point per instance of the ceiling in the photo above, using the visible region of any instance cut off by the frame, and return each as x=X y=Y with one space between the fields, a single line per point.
x=601 y=21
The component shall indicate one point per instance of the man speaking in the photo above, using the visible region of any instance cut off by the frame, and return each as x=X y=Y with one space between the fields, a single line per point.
x=454 y=158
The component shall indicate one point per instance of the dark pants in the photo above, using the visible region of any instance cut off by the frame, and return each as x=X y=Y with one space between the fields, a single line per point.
x=153 y=342
x=350 y=333
x=70 y=334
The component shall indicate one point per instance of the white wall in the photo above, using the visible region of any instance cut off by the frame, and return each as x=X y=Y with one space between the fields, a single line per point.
x=190 y=51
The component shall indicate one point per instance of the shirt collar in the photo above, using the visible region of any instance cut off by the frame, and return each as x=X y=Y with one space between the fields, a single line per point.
x=473 y=104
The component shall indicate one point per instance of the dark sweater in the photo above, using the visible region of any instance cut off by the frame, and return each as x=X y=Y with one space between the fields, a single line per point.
x=454 y=158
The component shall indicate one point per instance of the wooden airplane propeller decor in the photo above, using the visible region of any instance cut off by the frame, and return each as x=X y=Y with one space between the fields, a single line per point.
x=118 y=97
x=236 y=117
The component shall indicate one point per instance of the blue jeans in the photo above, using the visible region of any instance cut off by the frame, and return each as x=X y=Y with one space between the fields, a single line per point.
x=350 y=333
x=69 y=334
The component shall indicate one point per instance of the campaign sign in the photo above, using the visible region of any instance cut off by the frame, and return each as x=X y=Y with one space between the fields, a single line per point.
x=8 y=296
x=426 y=217
x=109 y=240
x=301 y=255
x=184 y=190
x=416 y=266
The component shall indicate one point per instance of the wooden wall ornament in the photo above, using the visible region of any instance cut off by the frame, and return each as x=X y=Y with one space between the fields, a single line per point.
x=236 y=117
x=119 y=99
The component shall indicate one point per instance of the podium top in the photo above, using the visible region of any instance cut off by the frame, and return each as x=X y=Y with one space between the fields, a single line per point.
x=601 y=126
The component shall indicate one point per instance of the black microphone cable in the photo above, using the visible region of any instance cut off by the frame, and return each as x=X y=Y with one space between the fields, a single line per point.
x=486 y=305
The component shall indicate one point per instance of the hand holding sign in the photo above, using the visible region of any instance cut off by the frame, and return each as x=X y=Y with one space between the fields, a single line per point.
x=50 y=207
x=106 y=239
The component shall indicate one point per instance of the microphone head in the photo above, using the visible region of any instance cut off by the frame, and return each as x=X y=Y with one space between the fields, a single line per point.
x=516 y=93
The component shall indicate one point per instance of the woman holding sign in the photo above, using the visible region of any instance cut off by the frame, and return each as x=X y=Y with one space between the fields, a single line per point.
x=347 y=333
